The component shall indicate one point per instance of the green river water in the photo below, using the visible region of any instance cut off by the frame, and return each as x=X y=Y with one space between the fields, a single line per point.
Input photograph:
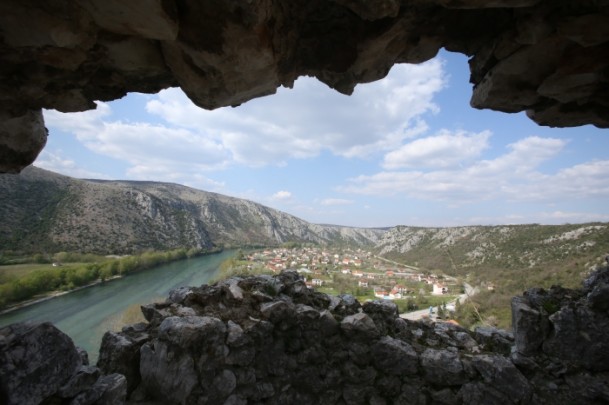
x=85 y=315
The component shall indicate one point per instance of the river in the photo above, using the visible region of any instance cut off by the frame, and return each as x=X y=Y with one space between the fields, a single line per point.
x=85 y=315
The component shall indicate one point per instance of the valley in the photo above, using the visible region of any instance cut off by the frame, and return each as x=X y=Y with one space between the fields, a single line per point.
x=44 y=213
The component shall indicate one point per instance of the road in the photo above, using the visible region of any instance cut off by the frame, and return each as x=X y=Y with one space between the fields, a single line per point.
x=422 y=313
x=398 y=264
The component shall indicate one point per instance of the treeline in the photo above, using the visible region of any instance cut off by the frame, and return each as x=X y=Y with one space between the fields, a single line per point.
x=67 y=277
x=238 y=266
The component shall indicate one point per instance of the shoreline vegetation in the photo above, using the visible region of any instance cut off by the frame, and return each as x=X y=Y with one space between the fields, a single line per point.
x=25 y=284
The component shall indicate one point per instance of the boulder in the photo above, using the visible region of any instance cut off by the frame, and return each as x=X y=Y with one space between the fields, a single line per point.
x=108 y=390
x=441 y=367
x=394 y=356
x=120 y=353
x=500 y=373
x=359 y=326
x=36 y=360
x=530 y=326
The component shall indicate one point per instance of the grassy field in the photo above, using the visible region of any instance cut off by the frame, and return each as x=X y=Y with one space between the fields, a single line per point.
x=12 y=271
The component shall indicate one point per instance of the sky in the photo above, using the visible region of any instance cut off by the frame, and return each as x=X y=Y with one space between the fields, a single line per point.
x=405 y=150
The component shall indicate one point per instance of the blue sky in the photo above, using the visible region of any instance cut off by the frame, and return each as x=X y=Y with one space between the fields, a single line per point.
x=405 y=150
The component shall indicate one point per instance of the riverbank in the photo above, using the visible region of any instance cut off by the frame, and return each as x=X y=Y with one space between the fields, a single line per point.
x=99 y=273
x=54 y=294
x=86 y=314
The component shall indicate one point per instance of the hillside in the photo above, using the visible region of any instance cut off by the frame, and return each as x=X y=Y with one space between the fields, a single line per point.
x=479 y=249
x=502 y=261
x=45 y=211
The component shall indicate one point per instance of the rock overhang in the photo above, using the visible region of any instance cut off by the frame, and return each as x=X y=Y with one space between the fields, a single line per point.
x=548 y=58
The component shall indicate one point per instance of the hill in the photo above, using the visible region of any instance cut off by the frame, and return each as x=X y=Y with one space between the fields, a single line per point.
x=487 y=249
x=45 y=211
x=502 y=261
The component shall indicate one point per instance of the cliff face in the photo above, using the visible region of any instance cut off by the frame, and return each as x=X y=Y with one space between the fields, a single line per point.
x=271 y=340
x=543 y=56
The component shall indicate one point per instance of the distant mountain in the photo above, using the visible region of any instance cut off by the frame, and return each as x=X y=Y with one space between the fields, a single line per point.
x=462 y=249
x=45 y=211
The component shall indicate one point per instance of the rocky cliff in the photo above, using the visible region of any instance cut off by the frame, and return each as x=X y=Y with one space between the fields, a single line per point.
x=546 y=57
x=272 y=340
x=44 y=211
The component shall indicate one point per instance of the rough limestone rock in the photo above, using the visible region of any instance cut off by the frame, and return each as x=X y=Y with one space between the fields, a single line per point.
x=22 y=137
x=36 y=359
x=269 y=341
x=107 y=390
x=40 y=364
x=280 y=344
x=124 y=356
x=545 y=57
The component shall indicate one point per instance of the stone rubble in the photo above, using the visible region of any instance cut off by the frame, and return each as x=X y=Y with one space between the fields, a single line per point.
x=269 y=339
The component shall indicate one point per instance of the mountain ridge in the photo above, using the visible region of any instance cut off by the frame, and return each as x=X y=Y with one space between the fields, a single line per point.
x=42 y=209
x=45 y=211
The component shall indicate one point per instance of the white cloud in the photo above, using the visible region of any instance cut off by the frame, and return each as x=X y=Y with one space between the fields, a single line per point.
x=561 y=217
x=336 y=201
x=542 y=217
x=140 y=144
x=513 y=176
x=585 y=180
x=293 y=124
x=282 y=196
x=55 y=162
x=153 y=152
x=179 y=173
x=443 y=150
x=302 y=122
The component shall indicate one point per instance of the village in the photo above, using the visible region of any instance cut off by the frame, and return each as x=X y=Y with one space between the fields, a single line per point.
x=361 y=274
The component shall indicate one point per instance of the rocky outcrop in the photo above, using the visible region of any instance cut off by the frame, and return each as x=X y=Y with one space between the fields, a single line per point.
x=571 y=326
x=546 y=57
x=40 y=364
x=272 y=340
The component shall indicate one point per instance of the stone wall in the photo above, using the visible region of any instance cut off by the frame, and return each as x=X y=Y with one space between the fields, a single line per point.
x=272 y=340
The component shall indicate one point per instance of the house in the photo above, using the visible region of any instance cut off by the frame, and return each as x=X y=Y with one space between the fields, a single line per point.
x=439 y=289
x=357 y=273
x=345 y=271
x=317 y=282
x=361 y=283
x=400 y=289
x=394 y=294
x=304 y=270
x=389 y=273
x=382 y=294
